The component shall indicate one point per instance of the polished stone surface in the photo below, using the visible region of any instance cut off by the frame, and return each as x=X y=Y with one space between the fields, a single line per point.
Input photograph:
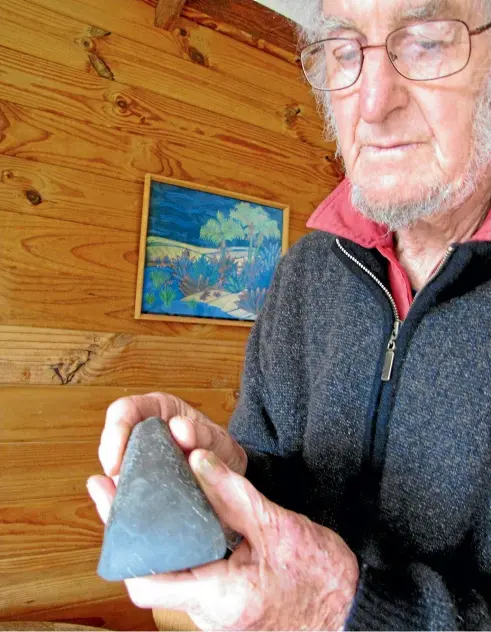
x=160 y=520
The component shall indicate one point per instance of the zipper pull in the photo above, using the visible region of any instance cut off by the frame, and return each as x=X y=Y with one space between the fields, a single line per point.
x=390 y=353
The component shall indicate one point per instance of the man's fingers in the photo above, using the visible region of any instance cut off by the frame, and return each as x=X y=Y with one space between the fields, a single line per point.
x=102 y=491
x=122 y=415
x=174 y=591
x=190 y=429
x=192 y=435
x=236 y=501
x=184 y=432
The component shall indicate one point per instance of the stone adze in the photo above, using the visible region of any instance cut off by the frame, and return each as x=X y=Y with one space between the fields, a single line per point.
x=160 y=520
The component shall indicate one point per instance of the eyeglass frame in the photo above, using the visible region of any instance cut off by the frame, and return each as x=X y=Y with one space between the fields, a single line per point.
x=476 y=31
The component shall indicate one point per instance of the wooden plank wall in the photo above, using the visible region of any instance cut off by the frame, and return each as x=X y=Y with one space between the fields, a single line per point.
x=92 y=97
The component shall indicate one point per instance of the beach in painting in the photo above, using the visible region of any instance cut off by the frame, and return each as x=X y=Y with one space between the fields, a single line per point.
x=208 y=255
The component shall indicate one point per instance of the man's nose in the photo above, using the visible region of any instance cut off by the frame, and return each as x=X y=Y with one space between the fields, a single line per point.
x=381 y=89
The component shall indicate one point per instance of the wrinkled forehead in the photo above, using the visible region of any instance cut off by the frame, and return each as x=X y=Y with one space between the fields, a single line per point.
x=395 y=13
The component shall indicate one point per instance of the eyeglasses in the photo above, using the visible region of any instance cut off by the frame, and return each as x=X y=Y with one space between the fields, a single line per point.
x=421 y=52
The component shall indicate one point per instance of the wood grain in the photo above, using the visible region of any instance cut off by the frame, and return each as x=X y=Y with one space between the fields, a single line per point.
x=40 y=541
x=53 y=414
x=167 y=12
x=172 y=620
x=134 y=19
x=207 y=157
x=259 y=22
x=67 y=195
x=57 y=357
x=25 y=626
x=65 y=40
x=65 y=274
x=47 y=533
x=115 y=613
x=76 y=275
x=275 y=35
x=54 y=267
x=72 y=274
x=46 y=471
x=30 y=590
x=90 y=199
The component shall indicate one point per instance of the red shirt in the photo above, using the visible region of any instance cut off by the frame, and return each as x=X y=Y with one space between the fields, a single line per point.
x=337 y=215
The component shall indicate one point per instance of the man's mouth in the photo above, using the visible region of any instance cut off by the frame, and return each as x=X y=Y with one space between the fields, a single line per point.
x=389 y=148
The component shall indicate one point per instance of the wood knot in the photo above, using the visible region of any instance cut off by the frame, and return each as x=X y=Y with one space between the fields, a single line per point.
x=7 y=175
x=87 y=43
x=67 y=370
x=96 y=31
x=101 y=68
x=183 y=32
x=34 y=197
x=197 y=56
x=121 y=103
x=292 y=112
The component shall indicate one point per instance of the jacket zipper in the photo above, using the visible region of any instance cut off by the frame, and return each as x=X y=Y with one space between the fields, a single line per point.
x=391 y=347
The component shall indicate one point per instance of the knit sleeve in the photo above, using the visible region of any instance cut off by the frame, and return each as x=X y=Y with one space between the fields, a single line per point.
x=252 y=427
x=272 y=469
x=418 y=598
x=412 y=595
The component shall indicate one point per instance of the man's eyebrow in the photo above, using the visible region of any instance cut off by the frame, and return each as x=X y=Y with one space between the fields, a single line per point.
x=329 y=24
x=430 y=10
x=427 y=11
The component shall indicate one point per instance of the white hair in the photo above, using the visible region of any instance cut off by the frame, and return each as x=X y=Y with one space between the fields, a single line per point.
x=310 y=25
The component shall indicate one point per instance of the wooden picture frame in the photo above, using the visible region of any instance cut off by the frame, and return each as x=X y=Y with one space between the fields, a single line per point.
x=206 y=255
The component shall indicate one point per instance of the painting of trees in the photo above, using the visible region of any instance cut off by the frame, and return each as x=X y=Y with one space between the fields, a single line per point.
x=256 y=224
x=206 y=253
x=221 y=230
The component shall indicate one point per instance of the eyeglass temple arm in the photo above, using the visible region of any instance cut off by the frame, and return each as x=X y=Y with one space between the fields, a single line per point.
x=481 y=29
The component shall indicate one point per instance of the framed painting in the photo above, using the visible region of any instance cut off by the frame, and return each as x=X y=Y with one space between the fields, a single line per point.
x=206 y=255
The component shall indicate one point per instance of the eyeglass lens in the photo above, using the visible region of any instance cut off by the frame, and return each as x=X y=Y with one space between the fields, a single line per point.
x=430 y=50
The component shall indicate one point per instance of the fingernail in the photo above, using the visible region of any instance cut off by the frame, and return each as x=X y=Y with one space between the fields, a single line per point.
x=210 y=468
x=179 y=418
x=106 y=460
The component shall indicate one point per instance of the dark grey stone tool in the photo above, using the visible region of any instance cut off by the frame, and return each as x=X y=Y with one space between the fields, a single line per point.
x=160 y=520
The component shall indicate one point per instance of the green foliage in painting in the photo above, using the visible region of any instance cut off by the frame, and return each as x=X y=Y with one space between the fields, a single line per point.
x=256 y=224
x=237 y=268
x=222 y=230
x=167 y=295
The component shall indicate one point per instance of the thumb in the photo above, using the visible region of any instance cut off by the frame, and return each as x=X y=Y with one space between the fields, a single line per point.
x=237 y=502
x=102 y=491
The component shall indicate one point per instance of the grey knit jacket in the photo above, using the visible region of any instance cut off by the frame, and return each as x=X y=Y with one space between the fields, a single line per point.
x=399 y=466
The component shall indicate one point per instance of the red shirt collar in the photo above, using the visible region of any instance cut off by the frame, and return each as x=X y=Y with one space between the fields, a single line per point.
x=336 y=215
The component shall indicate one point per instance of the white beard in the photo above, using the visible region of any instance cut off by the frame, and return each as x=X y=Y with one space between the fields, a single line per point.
x=436 y=199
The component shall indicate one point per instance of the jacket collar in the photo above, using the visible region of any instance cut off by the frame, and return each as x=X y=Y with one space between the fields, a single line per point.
x=336 y=215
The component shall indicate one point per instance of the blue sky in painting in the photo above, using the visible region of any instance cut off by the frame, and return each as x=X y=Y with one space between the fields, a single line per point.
x=178 y=213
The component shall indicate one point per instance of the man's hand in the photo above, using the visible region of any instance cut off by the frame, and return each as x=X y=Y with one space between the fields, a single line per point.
x=287 y=574
x=190 y=428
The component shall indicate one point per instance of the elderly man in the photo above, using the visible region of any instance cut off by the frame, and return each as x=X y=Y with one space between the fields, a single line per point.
x=365 y=408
